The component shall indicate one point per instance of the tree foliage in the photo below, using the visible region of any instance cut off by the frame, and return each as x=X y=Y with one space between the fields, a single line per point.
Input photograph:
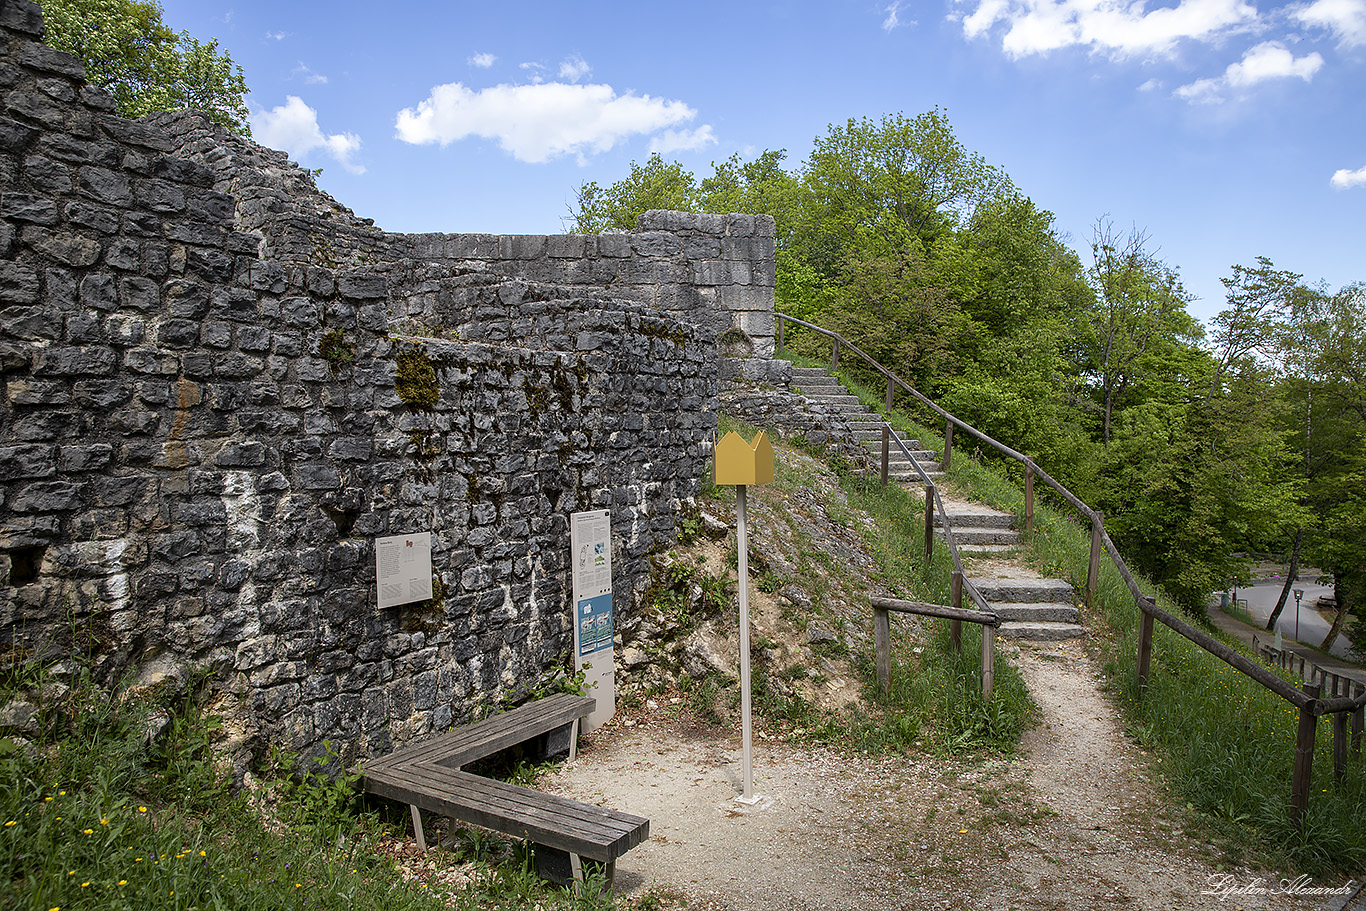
x=129 y=52
x=1198 y=449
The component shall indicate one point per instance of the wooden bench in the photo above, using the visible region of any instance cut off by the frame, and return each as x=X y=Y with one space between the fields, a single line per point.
x=429 y=776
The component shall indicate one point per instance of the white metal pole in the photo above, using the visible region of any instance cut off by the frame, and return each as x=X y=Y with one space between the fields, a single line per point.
x=742 y=541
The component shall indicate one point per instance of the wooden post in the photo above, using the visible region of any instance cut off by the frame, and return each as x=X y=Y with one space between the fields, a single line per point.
x=417 y=828
x=882 y=645
x=929 y=527
x=781 y=323
x=1093 y=567
x=1145 y=647
x=988 y=660
x=835 y=355
x=1029 y=498
x=1357 y=718
x=891 y=391
x=1339 y=745
x=948 y=445
x=886 y=451
x=1304 y=757
x=956 y=601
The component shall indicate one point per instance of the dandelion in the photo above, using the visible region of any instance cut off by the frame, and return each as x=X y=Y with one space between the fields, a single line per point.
x=104 y=821
x=83 y=885
x=142 y=809
x=123 y=882
x=12 y=822
x=89 y=831
x=203 y=854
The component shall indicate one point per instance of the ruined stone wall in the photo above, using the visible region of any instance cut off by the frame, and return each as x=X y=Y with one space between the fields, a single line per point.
x=715 y=271
x=199 y=439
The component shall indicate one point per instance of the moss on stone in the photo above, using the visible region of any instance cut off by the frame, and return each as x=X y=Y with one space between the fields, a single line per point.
x=336 y=350
x=416 y=380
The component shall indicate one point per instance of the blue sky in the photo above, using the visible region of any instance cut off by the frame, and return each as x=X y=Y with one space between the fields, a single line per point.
x=1226 y=129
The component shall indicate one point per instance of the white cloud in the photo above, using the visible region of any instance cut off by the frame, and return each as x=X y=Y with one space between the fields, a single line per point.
x=277 y=36
x=893 y=19
x=535 y=123
x=671 y=141
x=535 y=72
x=1268 y=60
x=574 y=68
x=308 y=75
x=1344 y=179
x=1152 y=85
x=483 y=61
x=1121 y=28
x=293 y=128
x=1344 y=18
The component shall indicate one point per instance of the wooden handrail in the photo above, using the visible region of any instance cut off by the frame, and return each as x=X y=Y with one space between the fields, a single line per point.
x=1306 y=700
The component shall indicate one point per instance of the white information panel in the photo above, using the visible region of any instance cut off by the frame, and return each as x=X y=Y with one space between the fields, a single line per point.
x=590 y=535
x=403 y=568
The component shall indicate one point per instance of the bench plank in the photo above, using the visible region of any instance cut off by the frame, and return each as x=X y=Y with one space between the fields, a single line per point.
x=497 y=732
x=558 y=822
x=428 y=776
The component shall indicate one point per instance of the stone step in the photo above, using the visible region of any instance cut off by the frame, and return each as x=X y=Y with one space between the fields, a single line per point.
x=835 y=398
x=986 y=548
x=1005 y=589
x=843 y=408
x=963 y=520
x=1040 y=631
x=984 y=536
x=1036 y=611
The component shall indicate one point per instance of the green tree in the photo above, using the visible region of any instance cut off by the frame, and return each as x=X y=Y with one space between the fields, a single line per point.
x=1140 y=307
x=1334 y=438
x=657 y=184
x=129 y=52
x=878 y=187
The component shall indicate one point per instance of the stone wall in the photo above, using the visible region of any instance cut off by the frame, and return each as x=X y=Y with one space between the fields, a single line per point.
x=204 y=427
x=793 y=415
x=715 y=271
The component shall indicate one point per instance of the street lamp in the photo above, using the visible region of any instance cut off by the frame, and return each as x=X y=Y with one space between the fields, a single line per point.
x=1299 y=593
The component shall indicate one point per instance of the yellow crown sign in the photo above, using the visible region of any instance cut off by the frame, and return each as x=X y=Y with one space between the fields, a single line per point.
x=738 y=462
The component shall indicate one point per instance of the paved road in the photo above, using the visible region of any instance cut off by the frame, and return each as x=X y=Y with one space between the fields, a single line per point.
x=1313 y=626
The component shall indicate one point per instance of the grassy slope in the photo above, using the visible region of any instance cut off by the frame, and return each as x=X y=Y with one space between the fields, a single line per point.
x=1227 y=743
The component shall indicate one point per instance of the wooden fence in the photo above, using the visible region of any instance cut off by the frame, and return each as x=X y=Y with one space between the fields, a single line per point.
x=1308 y=701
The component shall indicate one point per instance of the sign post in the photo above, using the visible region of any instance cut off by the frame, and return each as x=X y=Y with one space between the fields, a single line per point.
x=741 y=464
x=590 y=535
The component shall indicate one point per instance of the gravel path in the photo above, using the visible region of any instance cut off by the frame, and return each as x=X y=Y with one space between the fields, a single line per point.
x=1074 y=822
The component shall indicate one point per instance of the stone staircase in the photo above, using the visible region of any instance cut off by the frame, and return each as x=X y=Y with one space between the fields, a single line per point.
x=978 y=528
x=823 y=389
x=1032 y=608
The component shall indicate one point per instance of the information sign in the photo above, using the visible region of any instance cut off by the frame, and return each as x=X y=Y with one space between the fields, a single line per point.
x=590 y=535
x=403 y=569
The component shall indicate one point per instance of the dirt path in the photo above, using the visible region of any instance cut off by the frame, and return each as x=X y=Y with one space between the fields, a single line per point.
x=1073 y=823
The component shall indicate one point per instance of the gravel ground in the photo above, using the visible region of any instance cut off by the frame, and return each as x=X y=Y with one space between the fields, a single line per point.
x=1073 y=822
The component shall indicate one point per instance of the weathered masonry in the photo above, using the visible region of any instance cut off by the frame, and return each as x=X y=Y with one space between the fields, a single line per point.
x=220 y=386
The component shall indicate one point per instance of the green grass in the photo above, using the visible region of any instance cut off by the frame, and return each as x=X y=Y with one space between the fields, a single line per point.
x=935 y=699
x=1226 y=743
x=95 y=814
x=935 y=702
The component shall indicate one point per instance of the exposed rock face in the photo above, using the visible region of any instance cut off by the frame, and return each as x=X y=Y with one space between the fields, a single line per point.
x=220 y=386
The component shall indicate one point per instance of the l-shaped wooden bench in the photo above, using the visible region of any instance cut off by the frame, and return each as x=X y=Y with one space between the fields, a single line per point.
x=428 y=776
